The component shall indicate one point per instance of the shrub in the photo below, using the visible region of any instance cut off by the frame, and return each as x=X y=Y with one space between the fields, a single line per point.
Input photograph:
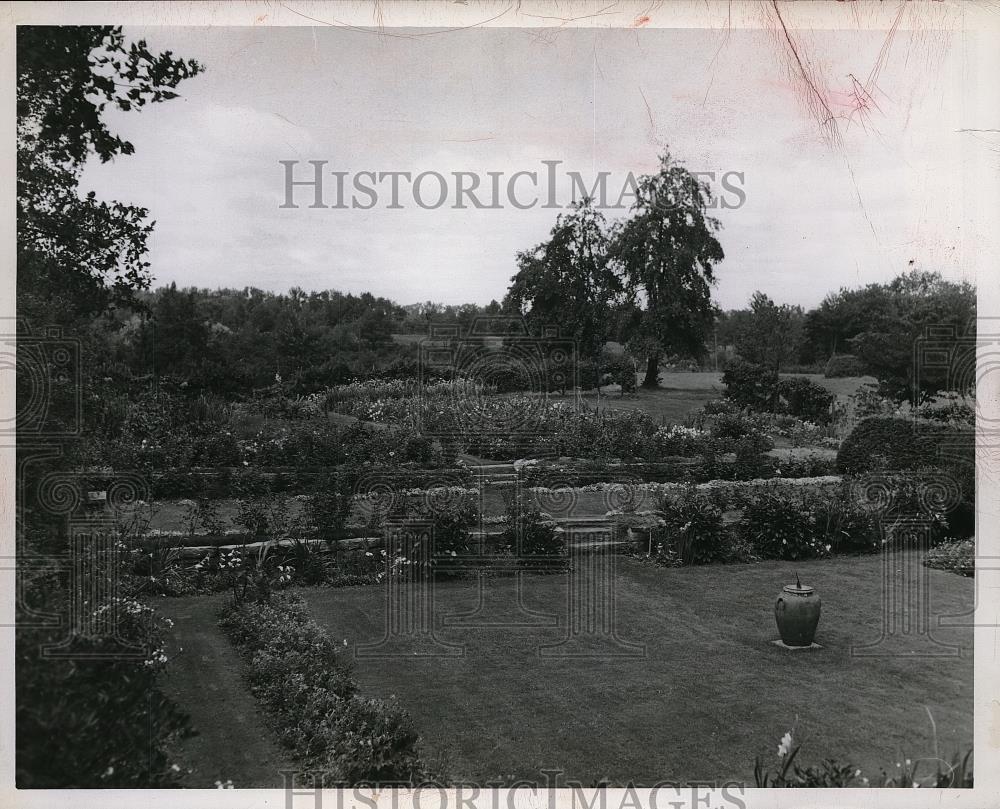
x=420 y=449
x=685 y=442
x=614 y=369
x=944 y=457
x=899 y=444
x=749 y=384
x=735 y=426
x=898 y=498
x=692 y=530
x=715 y=406
x=799 y=396
x=841 y=365
x=954 y=412
x=303 y=680
x=779 y=525
x=328 y=509
x=533 y=538
x=98 y=718
x=958 y=556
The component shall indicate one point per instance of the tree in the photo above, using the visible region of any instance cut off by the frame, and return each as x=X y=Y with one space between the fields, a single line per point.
x=76 y=254
x=914 y=306
x=102 y=722
x=665 y=252
x=567 y=281
x=180 y=337
x=841 y=316
x=771 y=334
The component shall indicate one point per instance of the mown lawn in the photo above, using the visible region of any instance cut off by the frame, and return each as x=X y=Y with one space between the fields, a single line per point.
x=709 y=694
x=232 y=740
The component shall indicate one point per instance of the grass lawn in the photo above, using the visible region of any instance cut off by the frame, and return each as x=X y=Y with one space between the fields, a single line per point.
x=681 y=392
x=710 y=693
x=204 y=678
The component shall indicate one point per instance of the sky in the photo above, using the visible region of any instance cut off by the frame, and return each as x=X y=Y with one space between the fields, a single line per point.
x=819 y=212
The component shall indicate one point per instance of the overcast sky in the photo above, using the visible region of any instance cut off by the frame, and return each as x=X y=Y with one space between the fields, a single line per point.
x=817 y=215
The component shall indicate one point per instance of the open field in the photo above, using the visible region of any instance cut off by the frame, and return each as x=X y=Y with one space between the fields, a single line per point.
x=681 y=392
x=709 y=694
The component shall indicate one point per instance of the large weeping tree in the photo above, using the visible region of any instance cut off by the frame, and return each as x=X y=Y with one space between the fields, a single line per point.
x=665 y=252
x=567 y=281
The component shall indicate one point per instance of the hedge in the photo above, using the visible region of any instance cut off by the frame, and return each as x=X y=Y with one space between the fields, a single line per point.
x=897 y=444
x=227 y=482
x=943 y=457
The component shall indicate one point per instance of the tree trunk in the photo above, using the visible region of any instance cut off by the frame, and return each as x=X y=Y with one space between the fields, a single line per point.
x=651 y=379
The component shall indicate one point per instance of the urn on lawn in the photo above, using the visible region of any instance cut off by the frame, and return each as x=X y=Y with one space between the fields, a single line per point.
x=797 y=614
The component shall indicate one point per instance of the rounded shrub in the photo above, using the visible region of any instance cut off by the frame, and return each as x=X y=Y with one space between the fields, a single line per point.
x=885 y=443
x=749 y=384
x=692 y=532
x=804 y=398
x=944 y=456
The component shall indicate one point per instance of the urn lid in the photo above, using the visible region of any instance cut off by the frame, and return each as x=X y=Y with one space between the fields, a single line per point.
x=798 y=589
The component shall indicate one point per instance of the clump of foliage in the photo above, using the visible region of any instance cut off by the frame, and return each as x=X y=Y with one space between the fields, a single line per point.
x=829 y=773
x=810 y=524
x=532 y=537
x=880 y=443
x=958 y=556
x=759 y=388
x=328 y=509
x=92 y=713
x=749 y=384
x=683 y=442
x=302 y=679
x=942 y=456
x=801 y=397
x=692 y=532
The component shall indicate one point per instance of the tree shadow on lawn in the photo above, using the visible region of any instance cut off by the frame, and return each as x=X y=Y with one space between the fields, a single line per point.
x=709 y=694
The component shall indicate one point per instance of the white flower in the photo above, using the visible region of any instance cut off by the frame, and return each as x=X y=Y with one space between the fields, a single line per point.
x=786 y=745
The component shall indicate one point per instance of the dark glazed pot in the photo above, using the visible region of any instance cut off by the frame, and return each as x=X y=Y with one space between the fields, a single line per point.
x=797 y=614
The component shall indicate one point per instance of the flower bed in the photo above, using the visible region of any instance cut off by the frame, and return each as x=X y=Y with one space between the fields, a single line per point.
x=726 y=488
x=303 y=680
x=958 y=557
x=679 y=470
x=224 y=482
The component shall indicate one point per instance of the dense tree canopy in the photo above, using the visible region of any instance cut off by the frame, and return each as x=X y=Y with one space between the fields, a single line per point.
x=568 y=280
x=770 y=334
x=78 y=254
x=919 y=306
x=646 y=279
